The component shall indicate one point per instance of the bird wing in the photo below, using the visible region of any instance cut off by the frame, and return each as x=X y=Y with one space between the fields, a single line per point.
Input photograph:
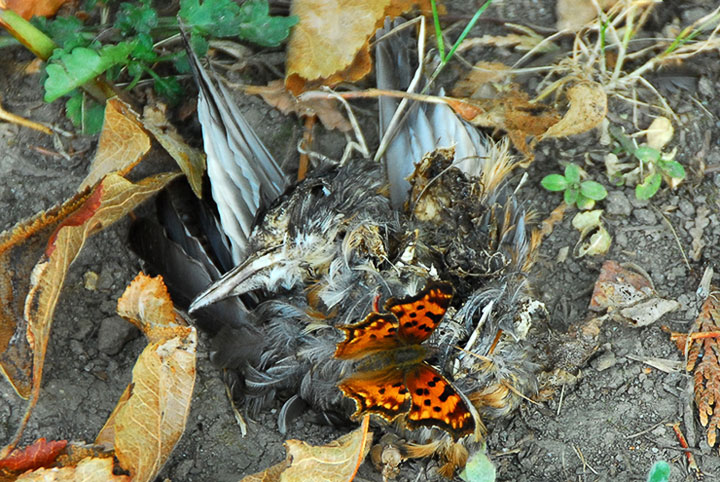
x=244 y=176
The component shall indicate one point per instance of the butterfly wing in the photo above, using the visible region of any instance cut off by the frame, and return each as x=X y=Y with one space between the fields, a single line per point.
x=419 y=315
x=381 y=392
x=377 y=332
x=435 y=402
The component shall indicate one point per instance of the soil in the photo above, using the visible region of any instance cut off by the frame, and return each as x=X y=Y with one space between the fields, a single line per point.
x=610 y=423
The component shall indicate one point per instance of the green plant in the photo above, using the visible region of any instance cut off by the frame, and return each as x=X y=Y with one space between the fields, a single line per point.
x=582 y=193
x=133 y=49
x=659 y=472
x=651 y=168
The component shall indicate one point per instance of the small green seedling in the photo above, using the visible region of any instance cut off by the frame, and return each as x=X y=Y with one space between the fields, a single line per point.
x=652 y=167
x=582 y=193
x=659 y=472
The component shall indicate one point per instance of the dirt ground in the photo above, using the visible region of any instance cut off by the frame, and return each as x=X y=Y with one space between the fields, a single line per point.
x=611 y=423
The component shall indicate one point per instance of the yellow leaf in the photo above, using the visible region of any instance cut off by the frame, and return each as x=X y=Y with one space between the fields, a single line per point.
x=330 y=43
x=122 y=144
x=190 y=160
x=147 y=304
x=335 y=462
x=153 y=418
x=87 y=470
x=588 y=107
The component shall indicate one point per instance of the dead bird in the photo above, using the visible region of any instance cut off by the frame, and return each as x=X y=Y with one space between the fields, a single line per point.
x=396 y=288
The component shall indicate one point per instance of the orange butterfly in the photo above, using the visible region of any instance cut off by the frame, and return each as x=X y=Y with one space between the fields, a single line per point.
x=393 y=378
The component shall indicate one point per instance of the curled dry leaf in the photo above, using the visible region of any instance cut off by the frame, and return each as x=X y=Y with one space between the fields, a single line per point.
x=701 y=222
x=40 y=454
x=150 y=416
x=87 y=470
x=512 y=112
x=588 y=107
x=190 y=160
x=123 y=143
x=335 y=462
x=480 y=82
x=659 y=133
x=146 y=303
x=330 y=43
x=589 y=223
x=574 y=14
x=628 y=296
x=279 y=97
x=701 y=348
x=111 y=200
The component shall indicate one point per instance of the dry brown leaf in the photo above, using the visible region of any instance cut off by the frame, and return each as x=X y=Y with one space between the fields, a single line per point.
x=190 y=160
x=628 y=296
x=279 y=97
x=150 y=416
x=122 y=144
x=111 y=200
x=512 y=112
x=153 y=418
x=335 y=462
x=701 y=222
x=702 y=360
x=146 y=303
x=87 y=470
x=474 y=84
x=574 y=14
x=588 y=107
x=20 y=248
x=40 y=454
x=330 y=43
x=39 y=8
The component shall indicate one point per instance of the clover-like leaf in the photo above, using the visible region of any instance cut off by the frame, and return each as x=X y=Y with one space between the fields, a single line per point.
x=554 y=182
x=647 y=154
x=649 y=186
x=571 y=195
x=672 y=168
x=572 y=174
x=71 y=70
x=593 y=190
x=584 y=202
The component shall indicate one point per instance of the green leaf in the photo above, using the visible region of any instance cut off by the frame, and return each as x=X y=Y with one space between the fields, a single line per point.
x=554 y=182
x=584 y=203
x=649 y=186
x=593 y=190
x=260 y=28
x=572 y=174
x=71 y=70
x=170 y=89
x=85 y=113
x=65 y=31
x=571 y=195
x=136 y=18
x=479 y=468
x=182 y=64
x=219 y=18
x=143 y=48
x=672 y=168
x=647 y=154
x=659 y=472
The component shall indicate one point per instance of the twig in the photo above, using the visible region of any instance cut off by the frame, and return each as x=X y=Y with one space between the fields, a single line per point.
x=692 y=465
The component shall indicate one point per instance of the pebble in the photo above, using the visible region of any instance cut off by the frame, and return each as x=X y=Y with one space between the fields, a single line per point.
x=617 y=203
x=686 y=207
x=114 y=333
x=645 y=216
x=604 y=361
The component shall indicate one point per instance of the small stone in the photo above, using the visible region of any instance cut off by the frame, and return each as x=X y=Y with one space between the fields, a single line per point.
x=604 y=361
x=686 y=207
x=617 y=203
x=90 y=280
x=114 y=333
x=645 y=216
